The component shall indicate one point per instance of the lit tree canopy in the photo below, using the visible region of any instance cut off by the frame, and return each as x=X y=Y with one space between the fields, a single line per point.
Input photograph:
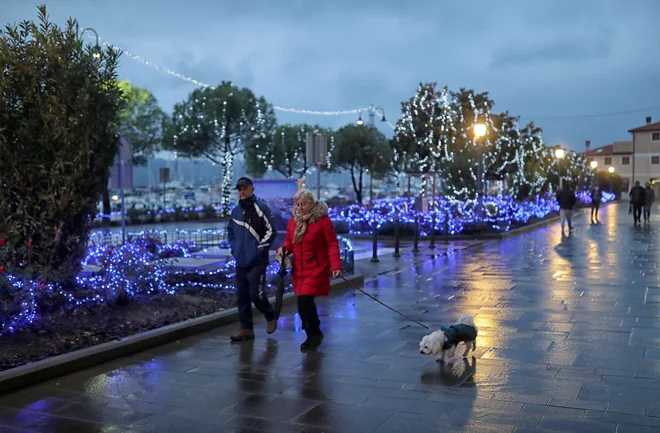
x=285 y=151
x=436 y=133
x=218 y=123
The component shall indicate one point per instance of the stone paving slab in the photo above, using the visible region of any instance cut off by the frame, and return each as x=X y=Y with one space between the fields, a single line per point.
x=569 y=341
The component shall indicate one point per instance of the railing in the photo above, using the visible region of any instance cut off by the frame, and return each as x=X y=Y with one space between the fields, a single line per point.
x=203 y=238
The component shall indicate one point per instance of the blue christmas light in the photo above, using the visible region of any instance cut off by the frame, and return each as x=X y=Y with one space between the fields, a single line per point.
x=137 y=267
x=501 y=212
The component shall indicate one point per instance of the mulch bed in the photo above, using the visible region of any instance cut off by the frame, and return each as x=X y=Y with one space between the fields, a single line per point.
x=77 y=328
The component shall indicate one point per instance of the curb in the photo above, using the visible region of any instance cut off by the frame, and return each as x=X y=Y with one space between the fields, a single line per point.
x=51 y=368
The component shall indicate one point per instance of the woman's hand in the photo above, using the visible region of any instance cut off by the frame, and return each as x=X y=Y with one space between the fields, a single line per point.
x=336 y=274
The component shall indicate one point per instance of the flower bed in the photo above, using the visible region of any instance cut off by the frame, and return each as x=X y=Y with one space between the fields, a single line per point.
x=502 y=213
x=135 y=290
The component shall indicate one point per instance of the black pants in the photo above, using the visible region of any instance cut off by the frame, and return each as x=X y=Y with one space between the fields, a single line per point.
x=309 y=314
x=637 y=212
x=251 y=288
x=594 y=211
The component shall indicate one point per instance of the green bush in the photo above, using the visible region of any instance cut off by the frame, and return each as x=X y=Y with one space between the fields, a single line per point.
x=58 y=116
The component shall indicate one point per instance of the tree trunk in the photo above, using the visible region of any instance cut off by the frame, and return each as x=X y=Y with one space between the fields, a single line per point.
x=358 y=190
x=107 y=209
x=227 y=163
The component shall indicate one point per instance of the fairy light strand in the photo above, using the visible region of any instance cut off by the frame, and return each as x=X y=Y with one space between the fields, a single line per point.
x=199 y=83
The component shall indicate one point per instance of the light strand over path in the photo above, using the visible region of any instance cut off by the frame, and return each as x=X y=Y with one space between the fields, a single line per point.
x=344 y=112
x=205 y=85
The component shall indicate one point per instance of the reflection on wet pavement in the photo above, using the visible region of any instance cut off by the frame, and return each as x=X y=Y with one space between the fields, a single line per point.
x=569 y=340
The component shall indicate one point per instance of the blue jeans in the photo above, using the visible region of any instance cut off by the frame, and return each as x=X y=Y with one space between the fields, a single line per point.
x=647 y=211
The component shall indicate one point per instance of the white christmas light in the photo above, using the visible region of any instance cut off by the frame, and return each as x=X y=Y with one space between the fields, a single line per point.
x=202 y=84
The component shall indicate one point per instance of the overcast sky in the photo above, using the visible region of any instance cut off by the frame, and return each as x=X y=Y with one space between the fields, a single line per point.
x=545 y=60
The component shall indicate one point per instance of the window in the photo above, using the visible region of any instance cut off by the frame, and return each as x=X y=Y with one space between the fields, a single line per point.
x=655 y=160
x=655 y=136
x=608 y=160
x=625 y=160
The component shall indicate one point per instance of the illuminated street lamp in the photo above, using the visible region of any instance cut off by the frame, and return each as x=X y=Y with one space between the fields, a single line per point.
x=611 y=170
x=594 y=164
x=560 y=154
x=480 y=131
x=97 y=51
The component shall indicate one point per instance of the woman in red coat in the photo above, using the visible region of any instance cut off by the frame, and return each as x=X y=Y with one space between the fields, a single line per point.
x=311 y=237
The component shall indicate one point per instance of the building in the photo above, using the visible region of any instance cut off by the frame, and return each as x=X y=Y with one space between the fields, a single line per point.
x=634 y=160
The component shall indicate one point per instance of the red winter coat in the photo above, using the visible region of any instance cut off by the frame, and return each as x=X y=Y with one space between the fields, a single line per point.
x=314 y=258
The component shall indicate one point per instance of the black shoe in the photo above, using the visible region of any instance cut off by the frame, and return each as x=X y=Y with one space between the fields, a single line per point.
x=313 y=341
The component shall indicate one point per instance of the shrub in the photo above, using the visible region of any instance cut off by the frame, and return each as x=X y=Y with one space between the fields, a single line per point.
x=58 y=111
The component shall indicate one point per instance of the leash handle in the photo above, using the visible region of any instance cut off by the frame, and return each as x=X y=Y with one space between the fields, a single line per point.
x=384 y=304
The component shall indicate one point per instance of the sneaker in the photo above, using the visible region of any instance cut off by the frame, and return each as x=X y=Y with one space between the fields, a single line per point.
x=271 y=326
x=242 y=335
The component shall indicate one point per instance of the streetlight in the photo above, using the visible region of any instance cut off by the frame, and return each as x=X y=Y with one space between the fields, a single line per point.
x=594 y=164
x=96 y=55
x=611 y=170
x=372 y=122
x=480 y=131
x=560 y=154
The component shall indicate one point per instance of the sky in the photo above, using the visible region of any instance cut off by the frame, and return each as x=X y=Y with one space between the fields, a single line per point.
x=581 y=70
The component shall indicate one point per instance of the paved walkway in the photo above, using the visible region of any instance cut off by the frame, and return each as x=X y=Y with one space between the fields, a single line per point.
x=569 y=341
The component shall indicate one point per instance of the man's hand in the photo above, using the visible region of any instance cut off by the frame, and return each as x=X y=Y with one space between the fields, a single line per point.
x=336 y=274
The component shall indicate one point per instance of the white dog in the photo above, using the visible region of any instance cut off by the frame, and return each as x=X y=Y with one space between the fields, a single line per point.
x=443 y=343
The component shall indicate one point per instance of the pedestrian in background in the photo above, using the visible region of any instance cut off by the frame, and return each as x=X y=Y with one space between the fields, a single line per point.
x=596 y=196
x=649 y=198
x=566 y=199
x=637 y=197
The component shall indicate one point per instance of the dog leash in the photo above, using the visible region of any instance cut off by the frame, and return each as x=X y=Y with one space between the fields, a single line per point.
x=383 y=304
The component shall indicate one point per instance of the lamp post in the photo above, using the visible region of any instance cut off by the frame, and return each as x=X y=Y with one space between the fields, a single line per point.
x=372 y=122
x=611 y=170
x=480 y=131
x=594 y=165
x=96 y=55
x=560 y=154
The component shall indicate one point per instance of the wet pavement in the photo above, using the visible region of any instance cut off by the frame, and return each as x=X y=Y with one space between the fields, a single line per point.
x=569 y=340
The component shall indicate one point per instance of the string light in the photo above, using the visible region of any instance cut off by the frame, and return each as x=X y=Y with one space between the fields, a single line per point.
x=180 y=76
x=501 y=213
x=434 y=136
x=138 y=267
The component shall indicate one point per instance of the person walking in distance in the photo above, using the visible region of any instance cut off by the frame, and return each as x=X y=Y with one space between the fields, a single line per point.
x=566 y=199
x=637 y=197
x=596 y=196
x=649 y=198
x=251 y=232
x=311 y=237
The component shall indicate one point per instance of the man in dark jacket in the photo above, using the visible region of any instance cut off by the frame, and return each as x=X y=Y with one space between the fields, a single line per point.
x=649 y=198
x=637 y=197
x=251 y=232
x=566 y=199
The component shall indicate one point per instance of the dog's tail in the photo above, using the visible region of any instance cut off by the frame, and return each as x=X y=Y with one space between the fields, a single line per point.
x=467 y=320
